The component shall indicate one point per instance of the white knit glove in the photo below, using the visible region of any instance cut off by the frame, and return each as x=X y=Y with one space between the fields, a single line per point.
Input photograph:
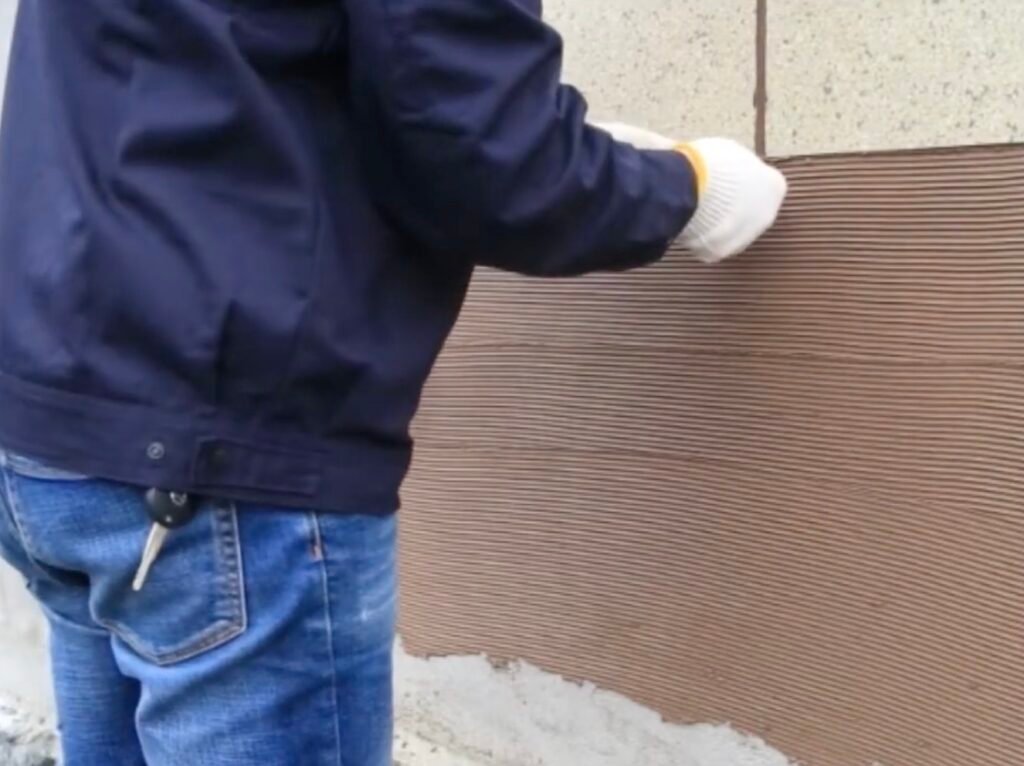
x=739 y=195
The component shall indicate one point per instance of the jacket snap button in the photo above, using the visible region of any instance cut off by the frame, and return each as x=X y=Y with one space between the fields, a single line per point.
x=156 y=451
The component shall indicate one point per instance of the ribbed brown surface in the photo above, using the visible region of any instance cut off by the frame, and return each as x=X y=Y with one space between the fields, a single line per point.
x=786 y=493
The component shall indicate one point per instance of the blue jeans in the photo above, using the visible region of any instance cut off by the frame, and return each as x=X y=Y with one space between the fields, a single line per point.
x=262 y=636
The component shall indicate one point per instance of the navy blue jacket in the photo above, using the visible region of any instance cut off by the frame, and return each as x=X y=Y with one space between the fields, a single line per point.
x=234 y=234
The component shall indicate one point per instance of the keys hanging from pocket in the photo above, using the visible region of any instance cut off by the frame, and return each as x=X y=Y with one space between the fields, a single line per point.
x=168 y=510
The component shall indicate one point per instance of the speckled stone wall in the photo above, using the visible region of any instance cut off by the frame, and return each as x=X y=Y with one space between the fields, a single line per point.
x=684 y=67
x=893 y=74
x=841 y=76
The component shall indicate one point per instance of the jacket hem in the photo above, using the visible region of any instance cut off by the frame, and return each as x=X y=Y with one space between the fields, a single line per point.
x=203 y=454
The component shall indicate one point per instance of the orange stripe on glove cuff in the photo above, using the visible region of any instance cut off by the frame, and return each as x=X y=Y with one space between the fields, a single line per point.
x=700 y=169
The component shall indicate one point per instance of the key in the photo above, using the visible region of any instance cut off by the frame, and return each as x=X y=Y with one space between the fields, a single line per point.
x=154 y=542
x=169 y=510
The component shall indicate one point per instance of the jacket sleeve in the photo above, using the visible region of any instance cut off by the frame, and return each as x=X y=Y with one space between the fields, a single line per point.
x=475 y=149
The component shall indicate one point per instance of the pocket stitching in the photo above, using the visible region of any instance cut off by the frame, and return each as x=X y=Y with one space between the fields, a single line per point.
x=217 y=634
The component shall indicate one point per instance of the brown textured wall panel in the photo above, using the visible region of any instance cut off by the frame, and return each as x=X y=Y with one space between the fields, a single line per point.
x=786 y=493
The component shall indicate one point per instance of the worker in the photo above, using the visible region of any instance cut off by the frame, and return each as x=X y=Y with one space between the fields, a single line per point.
x=234 y=235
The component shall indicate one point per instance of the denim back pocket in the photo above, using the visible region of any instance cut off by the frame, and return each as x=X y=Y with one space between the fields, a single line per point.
x=194 y=597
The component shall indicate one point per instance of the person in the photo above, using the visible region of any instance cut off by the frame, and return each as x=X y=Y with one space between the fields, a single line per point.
x=234 y=235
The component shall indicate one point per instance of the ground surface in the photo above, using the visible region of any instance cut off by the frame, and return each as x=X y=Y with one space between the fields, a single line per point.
x=464 y=712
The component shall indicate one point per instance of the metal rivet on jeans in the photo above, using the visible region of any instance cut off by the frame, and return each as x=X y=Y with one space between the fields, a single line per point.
x=156 y=451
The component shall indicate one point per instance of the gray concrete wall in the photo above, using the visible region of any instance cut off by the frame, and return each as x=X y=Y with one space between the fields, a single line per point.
x=7 y=10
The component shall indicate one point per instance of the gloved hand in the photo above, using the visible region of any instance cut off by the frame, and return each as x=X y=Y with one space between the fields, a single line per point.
x=739 y=195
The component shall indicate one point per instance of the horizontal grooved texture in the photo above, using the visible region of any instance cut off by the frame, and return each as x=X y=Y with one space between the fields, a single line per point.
x=785 y=493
